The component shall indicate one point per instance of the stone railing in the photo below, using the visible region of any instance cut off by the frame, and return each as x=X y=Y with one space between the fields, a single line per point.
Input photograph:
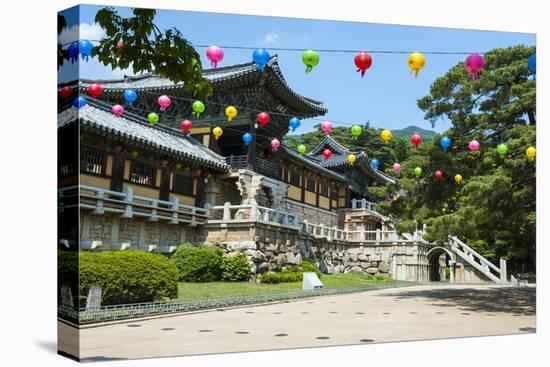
x=128 y=205
x=479 y=262
x=362 y=204
x=336 y=234
x=252 y=213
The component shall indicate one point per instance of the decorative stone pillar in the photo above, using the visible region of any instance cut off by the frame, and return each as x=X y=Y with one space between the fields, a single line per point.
x=211 y=190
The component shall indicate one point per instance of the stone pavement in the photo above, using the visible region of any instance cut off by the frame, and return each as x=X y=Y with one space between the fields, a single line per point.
x=412 y=313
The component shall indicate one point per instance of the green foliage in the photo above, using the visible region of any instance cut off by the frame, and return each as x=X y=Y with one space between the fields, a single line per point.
x=128 y=276
x=198 y=264
x=236 y=268
x=493 y=209
x=293 y=273
x=308 y=267
x=67 y=271
x=406 y=133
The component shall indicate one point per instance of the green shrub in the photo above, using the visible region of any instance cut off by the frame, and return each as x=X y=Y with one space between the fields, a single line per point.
x=310 y=267
x=67 y=272
x=235 y=268
x=128 y=276
x=198 y=264
x=281 y=277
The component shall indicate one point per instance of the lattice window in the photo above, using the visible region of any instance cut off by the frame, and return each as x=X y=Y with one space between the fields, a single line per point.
x=92 y=161
x=310 y=184
x=182 y=184
x=295 y=178
x=142 y=173
x=324 y=188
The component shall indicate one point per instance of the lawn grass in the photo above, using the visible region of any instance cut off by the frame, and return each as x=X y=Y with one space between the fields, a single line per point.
x=195 y=291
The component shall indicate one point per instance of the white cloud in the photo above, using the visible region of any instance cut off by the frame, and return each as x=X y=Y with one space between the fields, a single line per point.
x=270 y=39
x=83 y=31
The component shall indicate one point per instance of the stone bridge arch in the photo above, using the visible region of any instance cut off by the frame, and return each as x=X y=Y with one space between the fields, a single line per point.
x=440 y=258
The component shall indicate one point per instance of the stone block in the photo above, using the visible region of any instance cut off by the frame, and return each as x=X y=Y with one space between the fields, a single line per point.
x=372 y=270
x=258 y=256
x=365 y=265
x=383 y=267
x=356 y=270
x=262 y=268
x=353 y=256
x=374 y=258
x=362 y=257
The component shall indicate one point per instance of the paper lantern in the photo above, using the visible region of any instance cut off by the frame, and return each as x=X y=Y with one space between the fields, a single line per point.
x=474 y=63
x=275 y=144
x=416 y=62
x=230 y=112
x=80 y=102
x=95 y=90
x=247 y=138
x=458 y=178
x=73 y=51
x=177 y=166
x=351 y=159
x=418 y=171
x=416 y=140
x=532 y=63
x=85 y=48
x=301 y=149
x=445 y=143
x=263 y=118
x=474 y=146
x=134 y=153
x=363 y=61
x=396 y=167
x=327 y=153
x=261 y=58
x=531 y=153
x=130 y=96
x=164 y=102
x=310 y=59
x=326 y=127
x=215 y=55
x=502 y=149
x=117 y=110
x=198 y=108
x=438 y=175
x=153 y=118
x=294 y=123
x=386 y=135
x=374 y=163
x=186 y=126
x=217 y=131
x=120 y=44
x=356 y=130
x=66 y=92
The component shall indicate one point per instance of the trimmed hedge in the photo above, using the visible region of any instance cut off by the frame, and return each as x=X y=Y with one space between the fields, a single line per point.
x=290 y=274
x=236 y=268
x=67 y=273
x=130 y=276
x=198 y=264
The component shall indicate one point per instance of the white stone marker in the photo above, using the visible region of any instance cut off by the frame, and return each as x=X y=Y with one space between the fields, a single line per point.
x=311 y=282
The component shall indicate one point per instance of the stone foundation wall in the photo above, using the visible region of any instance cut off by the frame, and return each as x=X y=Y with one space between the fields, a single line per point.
x=312 y=214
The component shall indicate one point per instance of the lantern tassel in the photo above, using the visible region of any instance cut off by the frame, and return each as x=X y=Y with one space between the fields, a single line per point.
x=308 y=69
x=416 y=73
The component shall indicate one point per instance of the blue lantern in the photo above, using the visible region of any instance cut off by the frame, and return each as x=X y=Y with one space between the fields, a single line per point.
x=85 y=48
x=73 y=52
x=374 y=163
x=79 y=102
x=532 y=64
x=247 y=138
x=294 y=123
x=130 y=96
x=260 y=57
x=445 y=143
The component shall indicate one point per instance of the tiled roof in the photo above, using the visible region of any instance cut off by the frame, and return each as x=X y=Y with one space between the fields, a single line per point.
x=311 y=162
x=97 y=115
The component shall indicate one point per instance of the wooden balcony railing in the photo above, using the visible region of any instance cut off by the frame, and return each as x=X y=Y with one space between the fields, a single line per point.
x=263 y=166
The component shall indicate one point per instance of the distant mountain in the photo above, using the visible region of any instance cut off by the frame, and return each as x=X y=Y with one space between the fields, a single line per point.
x=410 y=130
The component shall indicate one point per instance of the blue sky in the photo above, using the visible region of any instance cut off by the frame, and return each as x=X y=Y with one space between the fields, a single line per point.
x=386 y=96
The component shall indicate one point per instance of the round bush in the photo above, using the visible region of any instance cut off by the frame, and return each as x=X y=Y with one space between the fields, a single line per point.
x=128 y=276
x=236 y=268
x=198 y=264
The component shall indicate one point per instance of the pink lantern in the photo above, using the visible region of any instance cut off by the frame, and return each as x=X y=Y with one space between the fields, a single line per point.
x=164 y=102
x=117 y=110
x=474 y=63
x=474 y=146
x=275 y=144
x=326 y=126
x=215 y=55
x=396 y=167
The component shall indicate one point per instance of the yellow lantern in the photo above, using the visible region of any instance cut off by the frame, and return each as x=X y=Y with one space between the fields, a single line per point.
x=134 y=153
x=230 y=112
x=178 y=166
x=416 y=62
x=351 y=159
x=217 y=131
x=458 y=178
x=531 y=153
x=386 y=135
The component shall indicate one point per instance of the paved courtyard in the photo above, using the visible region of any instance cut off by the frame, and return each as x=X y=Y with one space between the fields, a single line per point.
x=412 y=313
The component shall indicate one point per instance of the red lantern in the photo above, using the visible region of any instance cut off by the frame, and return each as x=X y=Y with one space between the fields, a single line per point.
x=263 y=118
x=327 y=154
x=416 y=140
x=198 y=172
x=95 y=90
x=363 y=61
x=186 y=126
x=66 y=92
x=438 y=175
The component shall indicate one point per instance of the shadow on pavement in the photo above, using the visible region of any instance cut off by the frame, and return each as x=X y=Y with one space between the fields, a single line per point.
x=517 y=301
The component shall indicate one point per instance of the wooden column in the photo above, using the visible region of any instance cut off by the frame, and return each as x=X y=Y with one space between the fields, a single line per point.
x=347 y=195
x=303 y=187
x=330 y=195
x=317 y=190
x=251 y=157
x=117 y=176
x=164 y=192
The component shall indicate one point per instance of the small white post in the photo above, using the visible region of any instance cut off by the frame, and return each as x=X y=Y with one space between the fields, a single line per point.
x=175 y=207
x=503 y=271
x=378 y=235
x=227 y=211
x=99 y=205
x=154 y=214
x=129 y=198
x=354 y=203
x=306 y=229
x=254 y=210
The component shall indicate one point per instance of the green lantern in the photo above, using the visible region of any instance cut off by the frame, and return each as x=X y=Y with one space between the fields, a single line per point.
x=418 y=171
x=502 y=149
x=153 y=118
x=310 y=59
x=301 y=149
x=356 y=130
x=198 y=108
